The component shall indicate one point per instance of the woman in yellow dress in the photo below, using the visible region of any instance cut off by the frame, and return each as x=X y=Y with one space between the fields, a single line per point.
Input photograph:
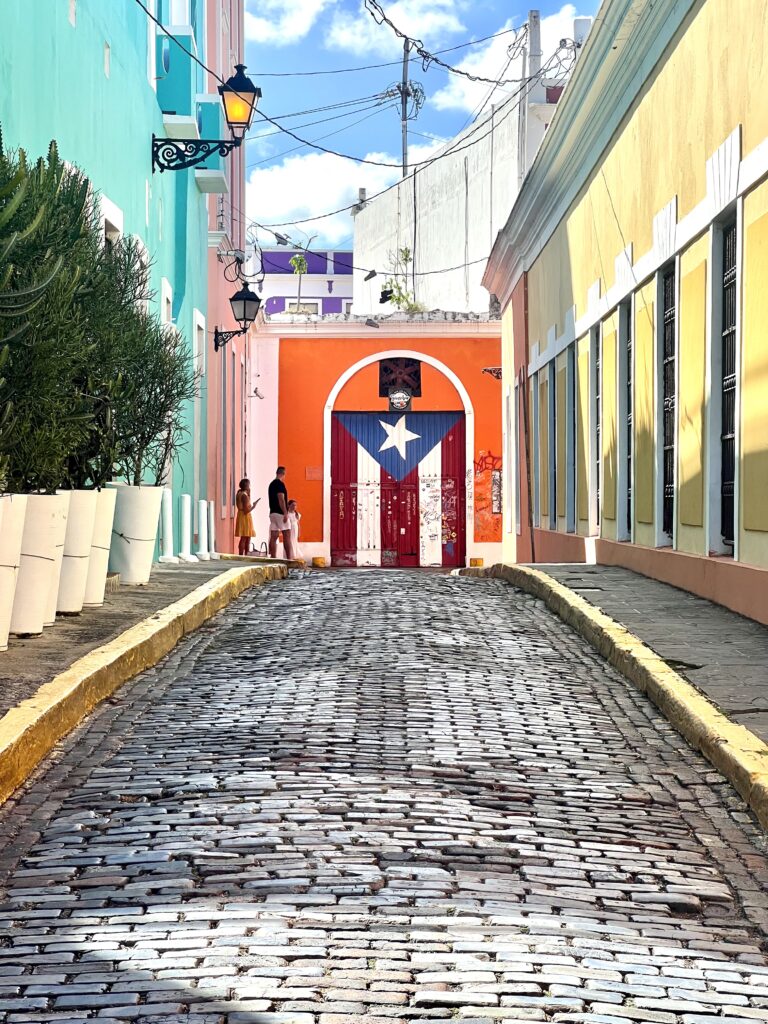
x=243 y=523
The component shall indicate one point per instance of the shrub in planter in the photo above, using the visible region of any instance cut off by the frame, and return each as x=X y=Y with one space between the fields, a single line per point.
x=158 y=380
x=47 y=244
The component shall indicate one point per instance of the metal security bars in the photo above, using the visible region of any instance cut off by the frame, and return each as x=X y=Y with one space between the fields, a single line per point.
x=596 y=338
x=728 y=424
x=669 y=388
x=628 y=329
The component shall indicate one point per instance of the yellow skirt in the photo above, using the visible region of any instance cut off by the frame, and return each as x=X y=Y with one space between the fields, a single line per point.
x=244 y=525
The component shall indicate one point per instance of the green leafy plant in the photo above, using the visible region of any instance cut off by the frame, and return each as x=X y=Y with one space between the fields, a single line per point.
x=157 y=381
x=46 y=245
x=299 y=264
x=397 y=282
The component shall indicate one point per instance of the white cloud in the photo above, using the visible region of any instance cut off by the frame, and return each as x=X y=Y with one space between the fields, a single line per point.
x=281 y=23
x=429 y=20
x=489 y=62
x=303 y=185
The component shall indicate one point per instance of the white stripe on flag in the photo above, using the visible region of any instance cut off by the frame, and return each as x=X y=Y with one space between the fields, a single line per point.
x=431 y=508
x=368 y=509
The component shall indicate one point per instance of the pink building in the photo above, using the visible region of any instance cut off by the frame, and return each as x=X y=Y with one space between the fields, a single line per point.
x=225 y=392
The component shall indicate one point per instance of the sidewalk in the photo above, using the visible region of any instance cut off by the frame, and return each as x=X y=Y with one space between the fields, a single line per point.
x=724 y=655
x=29 y=663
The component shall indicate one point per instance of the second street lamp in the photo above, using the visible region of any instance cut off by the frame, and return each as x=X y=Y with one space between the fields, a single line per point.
x=245 y=305
x=239 y=96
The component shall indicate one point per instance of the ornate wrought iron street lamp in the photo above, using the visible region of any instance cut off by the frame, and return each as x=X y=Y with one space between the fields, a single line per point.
x=239 y=96
x=245 y=305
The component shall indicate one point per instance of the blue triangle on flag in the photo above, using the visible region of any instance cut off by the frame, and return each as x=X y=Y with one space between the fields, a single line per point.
x=398 y=441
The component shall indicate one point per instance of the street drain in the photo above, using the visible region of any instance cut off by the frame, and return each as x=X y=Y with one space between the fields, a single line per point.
x=677 y=665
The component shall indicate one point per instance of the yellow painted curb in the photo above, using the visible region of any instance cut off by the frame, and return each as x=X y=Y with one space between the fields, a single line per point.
x=734 y=750
x=30 y=730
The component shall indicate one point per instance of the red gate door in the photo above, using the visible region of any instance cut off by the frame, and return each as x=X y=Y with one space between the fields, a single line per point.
x=420 y=517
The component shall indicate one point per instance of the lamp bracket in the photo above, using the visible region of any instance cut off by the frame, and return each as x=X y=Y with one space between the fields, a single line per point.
x=180 y=154
x=220 y=338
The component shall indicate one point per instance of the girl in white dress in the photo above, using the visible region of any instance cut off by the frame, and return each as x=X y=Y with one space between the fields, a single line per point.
x=294 y=517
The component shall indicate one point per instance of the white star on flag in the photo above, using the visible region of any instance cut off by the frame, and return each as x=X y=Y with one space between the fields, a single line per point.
x=398 y=436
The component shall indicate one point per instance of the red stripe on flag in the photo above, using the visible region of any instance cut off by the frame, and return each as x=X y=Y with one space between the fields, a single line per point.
x=343 y=495
x=452 y=488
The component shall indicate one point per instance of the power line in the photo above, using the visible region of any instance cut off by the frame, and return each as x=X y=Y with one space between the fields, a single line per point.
x=427 y=59
x=449 y=151
x=287 y=131
x=386 y=64
x=276 y=156
x=381 y=104
x=418 y=273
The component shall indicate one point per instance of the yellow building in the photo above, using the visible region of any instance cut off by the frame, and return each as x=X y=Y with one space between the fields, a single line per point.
x=633 y=275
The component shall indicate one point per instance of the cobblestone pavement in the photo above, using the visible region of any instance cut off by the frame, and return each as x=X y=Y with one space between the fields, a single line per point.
x=722 y=653
x=372 y=798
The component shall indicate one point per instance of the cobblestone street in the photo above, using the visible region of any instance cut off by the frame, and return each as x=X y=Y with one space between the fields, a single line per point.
x=382 y=797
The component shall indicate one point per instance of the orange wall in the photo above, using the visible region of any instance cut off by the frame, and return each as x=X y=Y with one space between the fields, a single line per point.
x=310 y=367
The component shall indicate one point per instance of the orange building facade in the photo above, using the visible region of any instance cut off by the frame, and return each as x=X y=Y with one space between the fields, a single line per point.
x=375 y=485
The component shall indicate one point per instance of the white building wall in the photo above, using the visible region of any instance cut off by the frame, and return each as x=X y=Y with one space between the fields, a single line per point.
x=462 y=201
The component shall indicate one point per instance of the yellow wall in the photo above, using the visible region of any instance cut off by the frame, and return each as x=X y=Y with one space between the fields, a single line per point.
x=582 y=436
x=691 y=374
x=643 y=464
x=608 y=438
x=660 y=153
x=754 y=381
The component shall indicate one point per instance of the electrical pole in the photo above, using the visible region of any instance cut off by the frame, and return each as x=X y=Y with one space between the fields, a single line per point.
x=404 y=94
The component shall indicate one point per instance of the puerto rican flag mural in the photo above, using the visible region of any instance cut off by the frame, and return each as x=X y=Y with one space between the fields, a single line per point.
x=398 y=488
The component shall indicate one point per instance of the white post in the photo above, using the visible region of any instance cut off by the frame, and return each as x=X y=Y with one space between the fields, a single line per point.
x=212 y=530
x=185 y=554
x=202 y=531
x=167 y=555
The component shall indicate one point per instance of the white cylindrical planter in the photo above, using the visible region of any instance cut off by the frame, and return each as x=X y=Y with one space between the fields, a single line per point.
x=202 y=531
x=77 y=551
x=212 y=530
x=166 y=529
x=185 y=552
x=58 y=555
x=137 y=513
x=44 y=523
x=102 y=537
x=13 y=508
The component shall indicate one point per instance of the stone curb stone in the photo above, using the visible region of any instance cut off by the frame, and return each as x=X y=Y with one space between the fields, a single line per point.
x=740 y=755
x=29 y=731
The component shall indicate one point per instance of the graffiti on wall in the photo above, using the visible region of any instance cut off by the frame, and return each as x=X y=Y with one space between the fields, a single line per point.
x=487 y=478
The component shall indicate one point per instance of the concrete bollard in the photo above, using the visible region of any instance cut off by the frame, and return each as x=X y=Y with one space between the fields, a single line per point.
x=166 y=520
x=202 y=531
x=212 y=530
x=185 y=554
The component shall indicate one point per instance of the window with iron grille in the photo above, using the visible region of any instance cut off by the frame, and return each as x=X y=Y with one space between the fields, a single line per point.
x=596 y=340
x=668 y=391
x=399 y=373
x=728 y=384
x=628 y=329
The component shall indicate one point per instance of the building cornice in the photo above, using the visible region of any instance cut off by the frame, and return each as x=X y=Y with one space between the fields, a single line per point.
x=626 y=42
x=324 y=328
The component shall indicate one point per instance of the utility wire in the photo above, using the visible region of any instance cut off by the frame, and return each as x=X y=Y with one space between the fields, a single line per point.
x=287 y=131
x=276 y=156
x=449 y=151
x=381 y=104
x=386 y=64
x=427 y=59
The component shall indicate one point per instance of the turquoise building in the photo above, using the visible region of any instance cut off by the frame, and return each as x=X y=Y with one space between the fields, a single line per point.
x=101 y=78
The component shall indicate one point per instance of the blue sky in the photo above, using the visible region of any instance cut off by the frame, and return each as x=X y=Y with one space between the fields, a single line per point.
x=324 y=35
